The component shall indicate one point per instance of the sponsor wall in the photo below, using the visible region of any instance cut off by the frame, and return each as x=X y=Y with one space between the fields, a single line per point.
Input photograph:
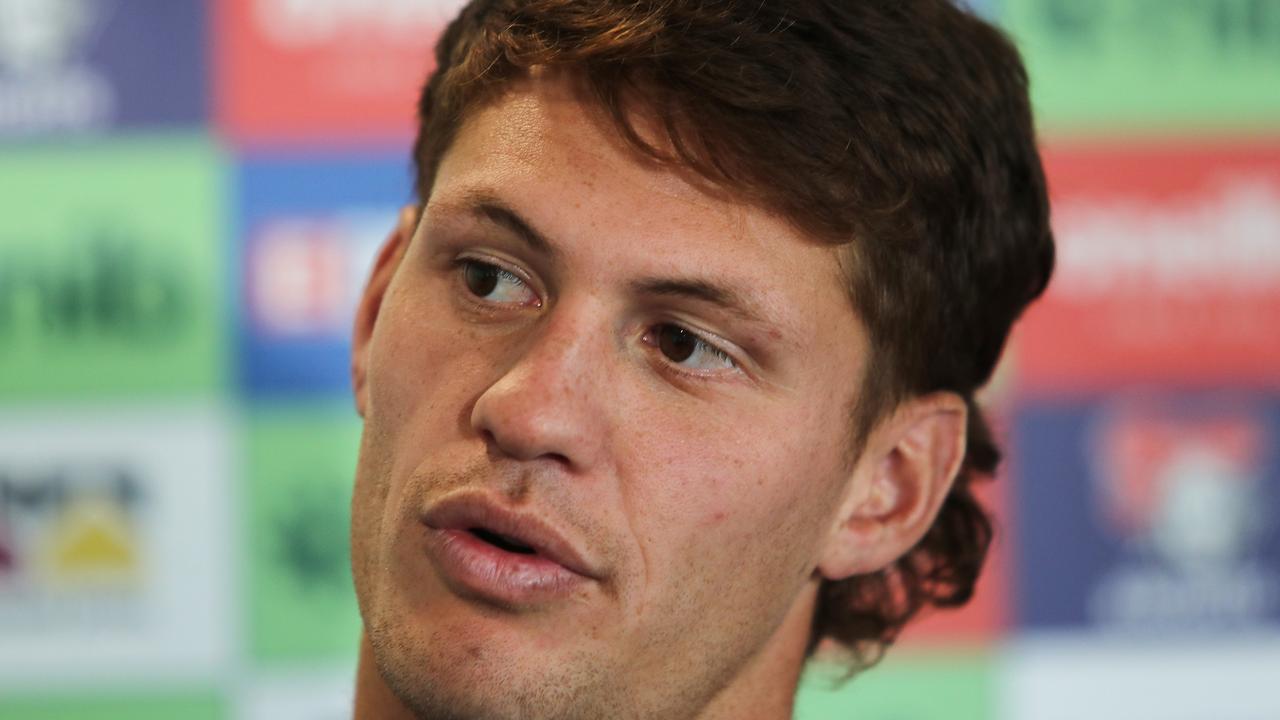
x=192 y=193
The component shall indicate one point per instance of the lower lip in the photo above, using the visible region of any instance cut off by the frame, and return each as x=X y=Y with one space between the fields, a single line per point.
x=477 y=569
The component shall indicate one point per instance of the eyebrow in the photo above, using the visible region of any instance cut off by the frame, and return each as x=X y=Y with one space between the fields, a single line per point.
x=488 y=207
x=696 y=289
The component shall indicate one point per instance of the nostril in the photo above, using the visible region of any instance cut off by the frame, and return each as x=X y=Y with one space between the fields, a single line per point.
x=515 y=447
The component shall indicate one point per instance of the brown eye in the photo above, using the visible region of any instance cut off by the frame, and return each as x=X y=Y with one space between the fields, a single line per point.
x=496 y=285
x=481 y=279
x=676 y=343
x=688 y=349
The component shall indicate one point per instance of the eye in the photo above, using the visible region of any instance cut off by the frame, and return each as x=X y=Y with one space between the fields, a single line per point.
x=688 y=350
x=494 y=284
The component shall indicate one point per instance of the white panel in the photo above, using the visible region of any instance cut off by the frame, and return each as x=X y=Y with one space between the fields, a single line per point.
x=117 y=522
x=1077 y=677
x=318 y=695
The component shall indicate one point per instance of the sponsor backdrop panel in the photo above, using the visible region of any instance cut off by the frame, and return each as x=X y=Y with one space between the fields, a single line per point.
x=95 y=66
x=326 y=71
x=1140 y=66
x=1151 y=514
x=1168 y=268
x=308 y=229
x=114 y=545
x=111 y=280
x=1064 y=677
x=301 y=463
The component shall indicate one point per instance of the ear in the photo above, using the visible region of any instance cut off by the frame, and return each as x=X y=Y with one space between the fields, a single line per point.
x=384 y=268
x=906 y=470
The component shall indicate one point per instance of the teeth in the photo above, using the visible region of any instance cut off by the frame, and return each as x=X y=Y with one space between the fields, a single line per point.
x=509 y=544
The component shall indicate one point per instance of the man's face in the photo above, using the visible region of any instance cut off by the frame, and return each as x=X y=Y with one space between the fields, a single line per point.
x=653 y=393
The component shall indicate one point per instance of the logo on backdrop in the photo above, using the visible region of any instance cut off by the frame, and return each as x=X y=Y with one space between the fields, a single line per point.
x=306 y=274
x=298 y=481
x=1227 y=29
x=1186 y=495
x=1150 y=513
x=314 y=554
x=45 y=81
x=1223 y=239
x=309 y=231
x=114 y=537
x=303 y=279
x=1168 y=270
x=310 y=22
x=41 y=37
x=1226 y=55
x=297 y=68
x=85 y=65
x=70 y=533
x=105 y=286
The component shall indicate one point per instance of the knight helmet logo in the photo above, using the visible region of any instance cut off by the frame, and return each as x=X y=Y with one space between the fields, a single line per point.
x=1183 y=486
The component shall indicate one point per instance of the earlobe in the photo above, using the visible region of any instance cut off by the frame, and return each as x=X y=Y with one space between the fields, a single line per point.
x=909 y=465
x=384 y=269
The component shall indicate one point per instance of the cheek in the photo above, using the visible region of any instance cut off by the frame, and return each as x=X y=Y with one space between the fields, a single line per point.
x=752 y=484
x=731 y=525
x=405 y=347
x=421 y=368
x=420 y=360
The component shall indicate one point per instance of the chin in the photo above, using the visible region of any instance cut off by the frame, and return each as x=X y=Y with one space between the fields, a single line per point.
x=460 y=663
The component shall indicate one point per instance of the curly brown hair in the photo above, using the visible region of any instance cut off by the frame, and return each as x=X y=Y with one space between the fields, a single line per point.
x=898 y=129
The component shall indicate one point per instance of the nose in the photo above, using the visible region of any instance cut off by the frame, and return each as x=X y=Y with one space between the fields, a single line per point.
x=546 y=403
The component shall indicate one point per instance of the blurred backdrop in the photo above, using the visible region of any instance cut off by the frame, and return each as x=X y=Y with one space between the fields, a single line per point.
x=190 y=196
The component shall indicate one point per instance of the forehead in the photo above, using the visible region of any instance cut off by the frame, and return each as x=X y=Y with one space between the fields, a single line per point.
x=542 y=127
x=557 y=161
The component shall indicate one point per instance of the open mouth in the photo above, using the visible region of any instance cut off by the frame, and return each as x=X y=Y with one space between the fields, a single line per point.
x=475 y=536
x=501 y=541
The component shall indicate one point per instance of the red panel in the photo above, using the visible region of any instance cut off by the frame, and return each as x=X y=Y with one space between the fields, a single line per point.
x=1168 y=272
x=299 y=70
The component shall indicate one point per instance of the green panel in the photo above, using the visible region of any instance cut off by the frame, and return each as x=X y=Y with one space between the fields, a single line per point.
x=302 y=462
x=1151 y=65
x=157 y=706
x=111 y=277
x=906 y=687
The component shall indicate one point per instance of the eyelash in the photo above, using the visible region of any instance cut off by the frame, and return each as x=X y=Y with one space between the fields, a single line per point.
x=703 y=342
x=462 y=265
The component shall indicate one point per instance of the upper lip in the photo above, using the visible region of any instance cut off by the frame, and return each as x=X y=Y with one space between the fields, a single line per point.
x=475 y=510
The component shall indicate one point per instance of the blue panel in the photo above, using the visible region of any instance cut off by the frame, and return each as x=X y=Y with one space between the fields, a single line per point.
x=308 y=230
x=1155 y=514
